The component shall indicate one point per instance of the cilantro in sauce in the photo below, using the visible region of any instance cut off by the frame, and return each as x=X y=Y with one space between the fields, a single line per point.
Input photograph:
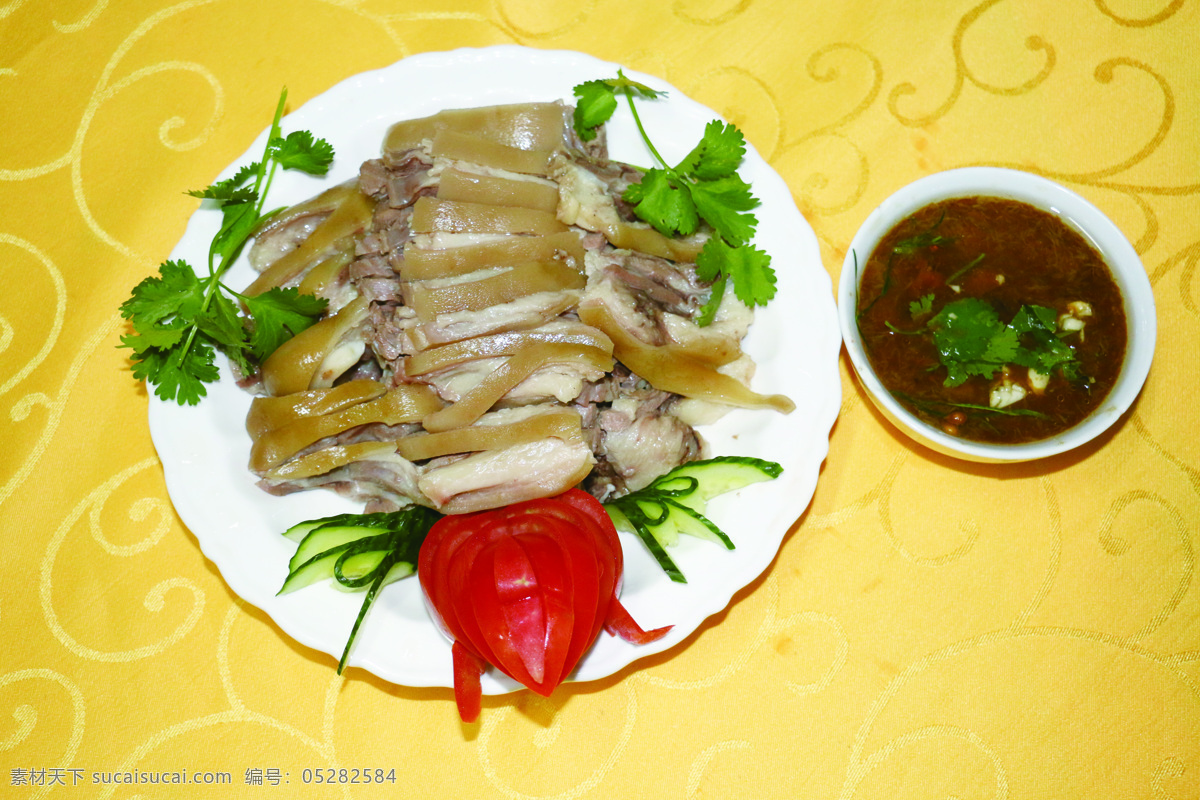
x=991 y=319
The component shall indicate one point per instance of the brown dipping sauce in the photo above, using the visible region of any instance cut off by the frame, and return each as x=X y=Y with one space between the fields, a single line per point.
x=1008 y=254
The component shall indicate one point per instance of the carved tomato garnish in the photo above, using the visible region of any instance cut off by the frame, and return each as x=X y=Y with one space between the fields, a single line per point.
x=527 y=589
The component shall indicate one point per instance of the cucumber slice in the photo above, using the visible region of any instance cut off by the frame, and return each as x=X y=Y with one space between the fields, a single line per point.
x=681 y=518
x=353 y=567
x=323 y=566
x=380 y=521
x=327 y=537
x=301 y=529
x=675 y=504
x=704 y=480
x=390 y=569
x=359 y=552
x=315 y=569
x=633 y=523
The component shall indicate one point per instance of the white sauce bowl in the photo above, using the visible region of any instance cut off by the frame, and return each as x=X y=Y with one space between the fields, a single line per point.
x=1074 y=211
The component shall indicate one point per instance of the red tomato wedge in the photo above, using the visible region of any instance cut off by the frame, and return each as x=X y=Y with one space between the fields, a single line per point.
x=527 y=589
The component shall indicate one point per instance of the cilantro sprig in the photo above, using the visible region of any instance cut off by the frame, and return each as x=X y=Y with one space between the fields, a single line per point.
x=703 y=187
x=921 y=307
x=923 y=239
x=181 y=319
x=972 y=340
x=939 y=408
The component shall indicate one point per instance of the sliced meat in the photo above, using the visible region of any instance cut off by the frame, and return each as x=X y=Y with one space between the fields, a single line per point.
x=634 y=433
x=400 y=180
x=387 y=481
x=499 y=477
x=411 y=286
x=640 y=443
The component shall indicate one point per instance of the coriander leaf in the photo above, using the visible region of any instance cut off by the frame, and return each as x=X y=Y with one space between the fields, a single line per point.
x=966 y=326
x=226 y=192
x=718 y=154
x=1031 y=318
x=919 y=308
x=232 y=190
x=1050 y=353
x=753 y=278
x=956 y=374
x=963 y=332
x=1044 y=351
x=1027 y=320
x=156 y=336
x=722 y=203
x=278 y=315
x=224 y=327
x=246 y=172
x=598 y=101
x=303 y=152
x=596 y=105
x=149 y=364
x=1072 y=371
x=712 y=260
x=1002 y=348
x=178 y=374
x=175 y=292
x=660 y=202
x=748 y=267
x=971 y=340
x=1047 y=316
x=194 y=369
x=634 y=87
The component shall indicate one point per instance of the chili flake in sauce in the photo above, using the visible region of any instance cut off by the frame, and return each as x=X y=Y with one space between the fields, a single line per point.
x=992 y=320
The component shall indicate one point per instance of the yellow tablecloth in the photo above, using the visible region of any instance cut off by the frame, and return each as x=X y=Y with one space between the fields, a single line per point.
x=929 y=629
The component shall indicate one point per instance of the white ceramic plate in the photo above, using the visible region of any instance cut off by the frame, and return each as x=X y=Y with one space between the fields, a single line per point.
x=204 y=449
